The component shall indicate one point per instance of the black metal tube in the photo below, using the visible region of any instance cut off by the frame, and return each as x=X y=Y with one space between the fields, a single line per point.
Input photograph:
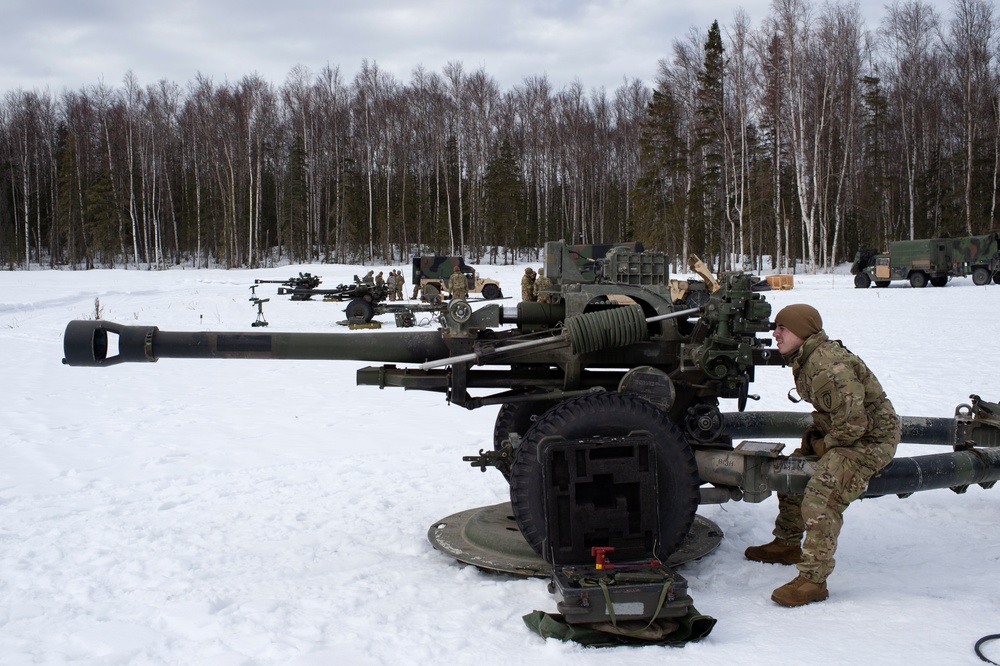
x=752 y=425
x=86 y=343
x=944 y=470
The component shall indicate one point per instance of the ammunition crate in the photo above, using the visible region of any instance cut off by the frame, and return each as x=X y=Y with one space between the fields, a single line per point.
x=781 y=282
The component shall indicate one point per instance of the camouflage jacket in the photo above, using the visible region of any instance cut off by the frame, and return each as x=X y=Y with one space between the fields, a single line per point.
x=848 y=398
x=458 y=285
x=527 y=288
x=542 y=283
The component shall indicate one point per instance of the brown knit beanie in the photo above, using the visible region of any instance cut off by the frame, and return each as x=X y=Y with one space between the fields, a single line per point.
x=801 y=319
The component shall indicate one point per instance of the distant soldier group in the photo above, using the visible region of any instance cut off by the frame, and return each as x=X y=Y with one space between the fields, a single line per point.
x=533 y=286
x=394 y=283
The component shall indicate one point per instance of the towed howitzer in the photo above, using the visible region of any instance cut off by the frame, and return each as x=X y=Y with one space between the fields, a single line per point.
x=306 y=285
x=303 y=283
x=611 y=364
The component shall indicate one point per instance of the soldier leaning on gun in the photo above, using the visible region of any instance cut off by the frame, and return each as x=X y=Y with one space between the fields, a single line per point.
x=855 y=434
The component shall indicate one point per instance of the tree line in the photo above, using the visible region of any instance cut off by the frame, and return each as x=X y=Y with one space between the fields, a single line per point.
x=802 y=139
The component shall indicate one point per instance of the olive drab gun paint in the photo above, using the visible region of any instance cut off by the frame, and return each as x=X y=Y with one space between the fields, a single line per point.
x=609 y=356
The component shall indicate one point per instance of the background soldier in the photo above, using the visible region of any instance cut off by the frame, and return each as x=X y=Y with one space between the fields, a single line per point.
x=379 y=280
x=399 y=285
x=528 y=285
x=542 y=283
x=855 y=434
x=390 y=284
x=458 y=285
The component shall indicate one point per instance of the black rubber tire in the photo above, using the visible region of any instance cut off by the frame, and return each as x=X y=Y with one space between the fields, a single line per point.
x=881 y=284
x=939 y=280
x=918 y=280
x=980 y=276
x=862 y=281
x=996 y=278
x=359 y=308
x=516 y=417
x=609 y=414
x=491 y=292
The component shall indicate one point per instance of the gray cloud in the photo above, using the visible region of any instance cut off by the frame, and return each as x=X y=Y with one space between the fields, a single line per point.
x=70 y=44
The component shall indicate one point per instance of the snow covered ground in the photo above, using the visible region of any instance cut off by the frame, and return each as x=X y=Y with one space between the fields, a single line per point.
x=261 y=512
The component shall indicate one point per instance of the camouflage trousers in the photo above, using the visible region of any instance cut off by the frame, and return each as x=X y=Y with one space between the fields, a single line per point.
x=840 y=477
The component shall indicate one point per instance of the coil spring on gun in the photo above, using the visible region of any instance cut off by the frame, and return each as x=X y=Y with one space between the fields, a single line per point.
x=606 y=329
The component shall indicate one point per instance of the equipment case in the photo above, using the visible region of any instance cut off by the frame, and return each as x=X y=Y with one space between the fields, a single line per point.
x=600 y=500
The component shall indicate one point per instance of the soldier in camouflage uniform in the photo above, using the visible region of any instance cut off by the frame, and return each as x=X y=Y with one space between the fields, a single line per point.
x=390 y=285
x=855 y=434
x=542 y=283
x=458 y=284
x=528 y=285
x=399 y=285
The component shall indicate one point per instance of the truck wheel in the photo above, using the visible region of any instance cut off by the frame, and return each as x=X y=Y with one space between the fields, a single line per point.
x=996 y=278
x=609 y=414
x=939 y=280
x=918 y=279
x=980 y=276
x=431 y=293
x=491 y=292
x=862 y=281
x=881 y=284
x=359 y=310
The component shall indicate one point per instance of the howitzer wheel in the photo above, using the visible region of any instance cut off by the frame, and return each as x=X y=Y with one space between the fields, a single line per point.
x=996 y=278
x=862 y=281
x=609 y=415
x=487 y=537
x=359 y=310
x=516 y=417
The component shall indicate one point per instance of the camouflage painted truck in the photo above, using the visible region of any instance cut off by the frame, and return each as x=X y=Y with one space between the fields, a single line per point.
x=930 y=261
x=431 y=274
x=609 y=430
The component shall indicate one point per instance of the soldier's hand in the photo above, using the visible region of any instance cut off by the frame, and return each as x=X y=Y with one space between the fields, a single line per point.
x=812 y=443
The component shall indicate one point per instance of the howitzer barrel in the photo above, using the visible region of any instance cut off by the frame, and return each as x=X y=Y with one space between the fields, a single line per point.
x=87 y=343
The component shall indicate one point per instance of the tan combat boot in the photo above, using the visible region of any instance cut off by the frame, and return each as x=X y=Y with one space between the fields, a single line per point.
x=775 y=552
x=799 y=592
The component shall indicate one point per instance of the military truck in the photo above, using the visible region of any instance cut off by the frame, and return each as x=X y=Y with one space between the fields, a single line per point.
x=431 y=275
x=930 y=260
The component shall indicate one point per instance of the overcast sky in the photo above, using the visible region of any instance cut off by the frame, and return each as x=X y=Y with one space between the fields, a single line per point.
x=59 y=44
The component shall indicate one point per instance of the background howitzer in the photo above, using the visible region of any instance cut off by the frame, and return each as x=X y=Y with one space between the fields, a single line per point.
x=609 y=359
x=306 y=285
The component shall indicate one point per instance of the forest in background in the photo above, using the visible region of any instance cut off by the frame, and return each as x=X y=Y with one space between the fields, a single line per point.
x=800 y=140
